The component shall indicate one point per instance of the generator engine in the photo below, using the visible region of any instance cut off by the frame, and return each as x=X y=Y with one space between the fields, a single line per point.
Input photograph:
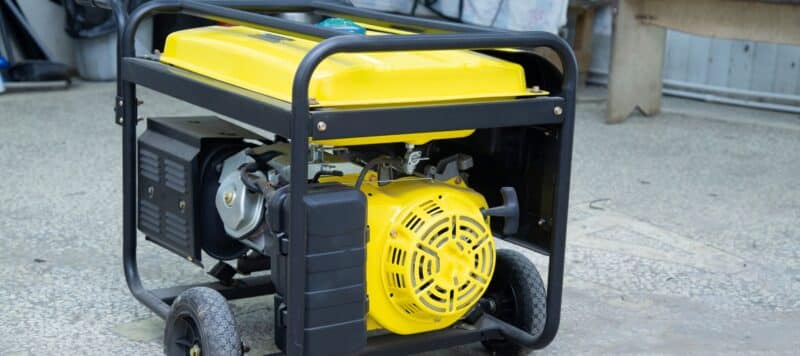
x=429 y=252
x=430 y=255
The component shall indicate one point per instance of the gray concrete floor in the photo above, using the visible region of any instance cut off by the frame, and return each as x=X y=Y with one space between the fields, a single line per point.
x=684 y=233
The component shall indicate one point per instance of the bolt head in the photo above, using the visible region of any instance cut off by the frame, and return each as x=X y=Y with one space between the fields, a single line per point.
x=182 y=204
x=322 y=126
x=558 y=110
x=393 y=233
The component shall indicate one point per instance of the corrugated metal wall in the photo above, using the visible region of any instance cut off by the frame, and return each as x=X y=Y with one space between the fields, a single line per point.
x=763 y=67
x=763 y=71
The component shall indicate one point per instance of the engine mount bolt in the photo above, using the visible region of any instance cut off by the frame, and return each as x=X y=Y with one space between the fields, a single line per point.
x=228 y=198
x=322 y=126
x=558 y=110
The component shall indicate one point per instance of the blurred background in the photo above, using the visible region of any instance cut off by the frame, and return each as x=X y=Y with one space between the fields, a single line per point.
x=705 y=66
x=683 y=233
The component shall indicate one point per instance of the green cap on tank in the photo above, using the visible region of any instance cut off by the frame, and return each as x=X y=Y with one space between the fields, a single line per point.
x=344 y=25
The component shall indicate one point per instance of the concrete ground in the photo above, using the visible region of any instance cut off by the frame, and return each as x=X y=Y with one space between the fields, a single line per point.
x=684 y=233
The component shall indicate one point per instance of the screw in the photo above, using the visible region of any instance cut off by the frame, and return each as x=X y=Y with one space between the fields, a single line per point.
x=322 y=126
x=150 y=191
x=120 y=103
x=558 y=110
x=182 y=204
x=459 y=180
x=393 y=233
x=120 y=120
x=228 y=198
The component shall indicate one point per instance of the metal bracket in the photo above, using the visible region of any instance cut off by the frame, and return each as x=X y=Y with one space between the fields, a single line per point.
x=283 y=245
x=118 y=103
x=449 y=167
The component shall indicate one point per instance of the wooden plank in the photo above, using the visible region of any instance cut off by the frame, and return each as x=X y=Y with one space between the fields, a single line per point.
x=787 y=70
x=765 y=56
x=719 y=62
x=741 y=69
x=699 y=53
x=746 y=20
x=637 y=63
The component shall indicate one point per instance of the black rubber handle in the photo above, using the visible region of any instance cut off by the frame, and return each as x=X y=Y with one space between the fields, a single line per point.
x=509 y=211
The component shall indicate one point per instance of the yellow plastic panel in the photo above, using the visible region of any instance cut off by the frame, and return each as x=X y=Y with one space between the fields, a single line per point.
x=414 y=139
x=266 y=62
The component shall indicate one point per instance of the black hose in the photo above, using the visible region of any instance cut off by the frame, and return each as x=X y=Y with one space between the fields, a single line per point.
x=253 y=182
x=250 y=180
x=262 y=158
x=321 y=173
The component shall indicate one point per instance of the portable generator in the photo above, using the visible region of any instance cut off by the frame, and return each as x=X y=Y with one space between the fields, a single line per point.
x=364 y=168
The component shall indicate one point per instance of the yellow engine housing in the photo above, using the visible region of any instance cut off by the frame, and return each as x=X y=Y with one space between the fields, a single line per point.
x=430 y=253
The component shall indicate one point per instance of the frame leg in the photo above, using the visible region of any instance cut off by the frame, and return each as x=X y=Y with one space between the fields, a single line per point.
x=637 y=63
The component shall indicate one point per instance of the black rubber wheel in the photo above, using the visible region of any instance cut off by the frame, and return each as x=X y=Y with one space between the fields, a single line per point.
x=201 y=323
x=515 y=295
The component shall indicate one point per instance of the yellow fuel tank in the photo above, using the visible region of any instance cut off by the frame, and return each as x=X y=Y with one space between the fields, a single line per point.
x=266 y=63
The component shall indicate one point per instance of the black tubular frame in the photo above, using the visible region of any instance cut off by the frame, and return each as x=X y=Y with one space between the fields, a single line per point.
x=299 y=122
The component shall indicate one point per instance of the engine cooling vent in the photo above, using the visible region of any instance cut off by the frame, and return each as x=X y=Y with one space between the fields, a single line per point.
x=439 y=261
